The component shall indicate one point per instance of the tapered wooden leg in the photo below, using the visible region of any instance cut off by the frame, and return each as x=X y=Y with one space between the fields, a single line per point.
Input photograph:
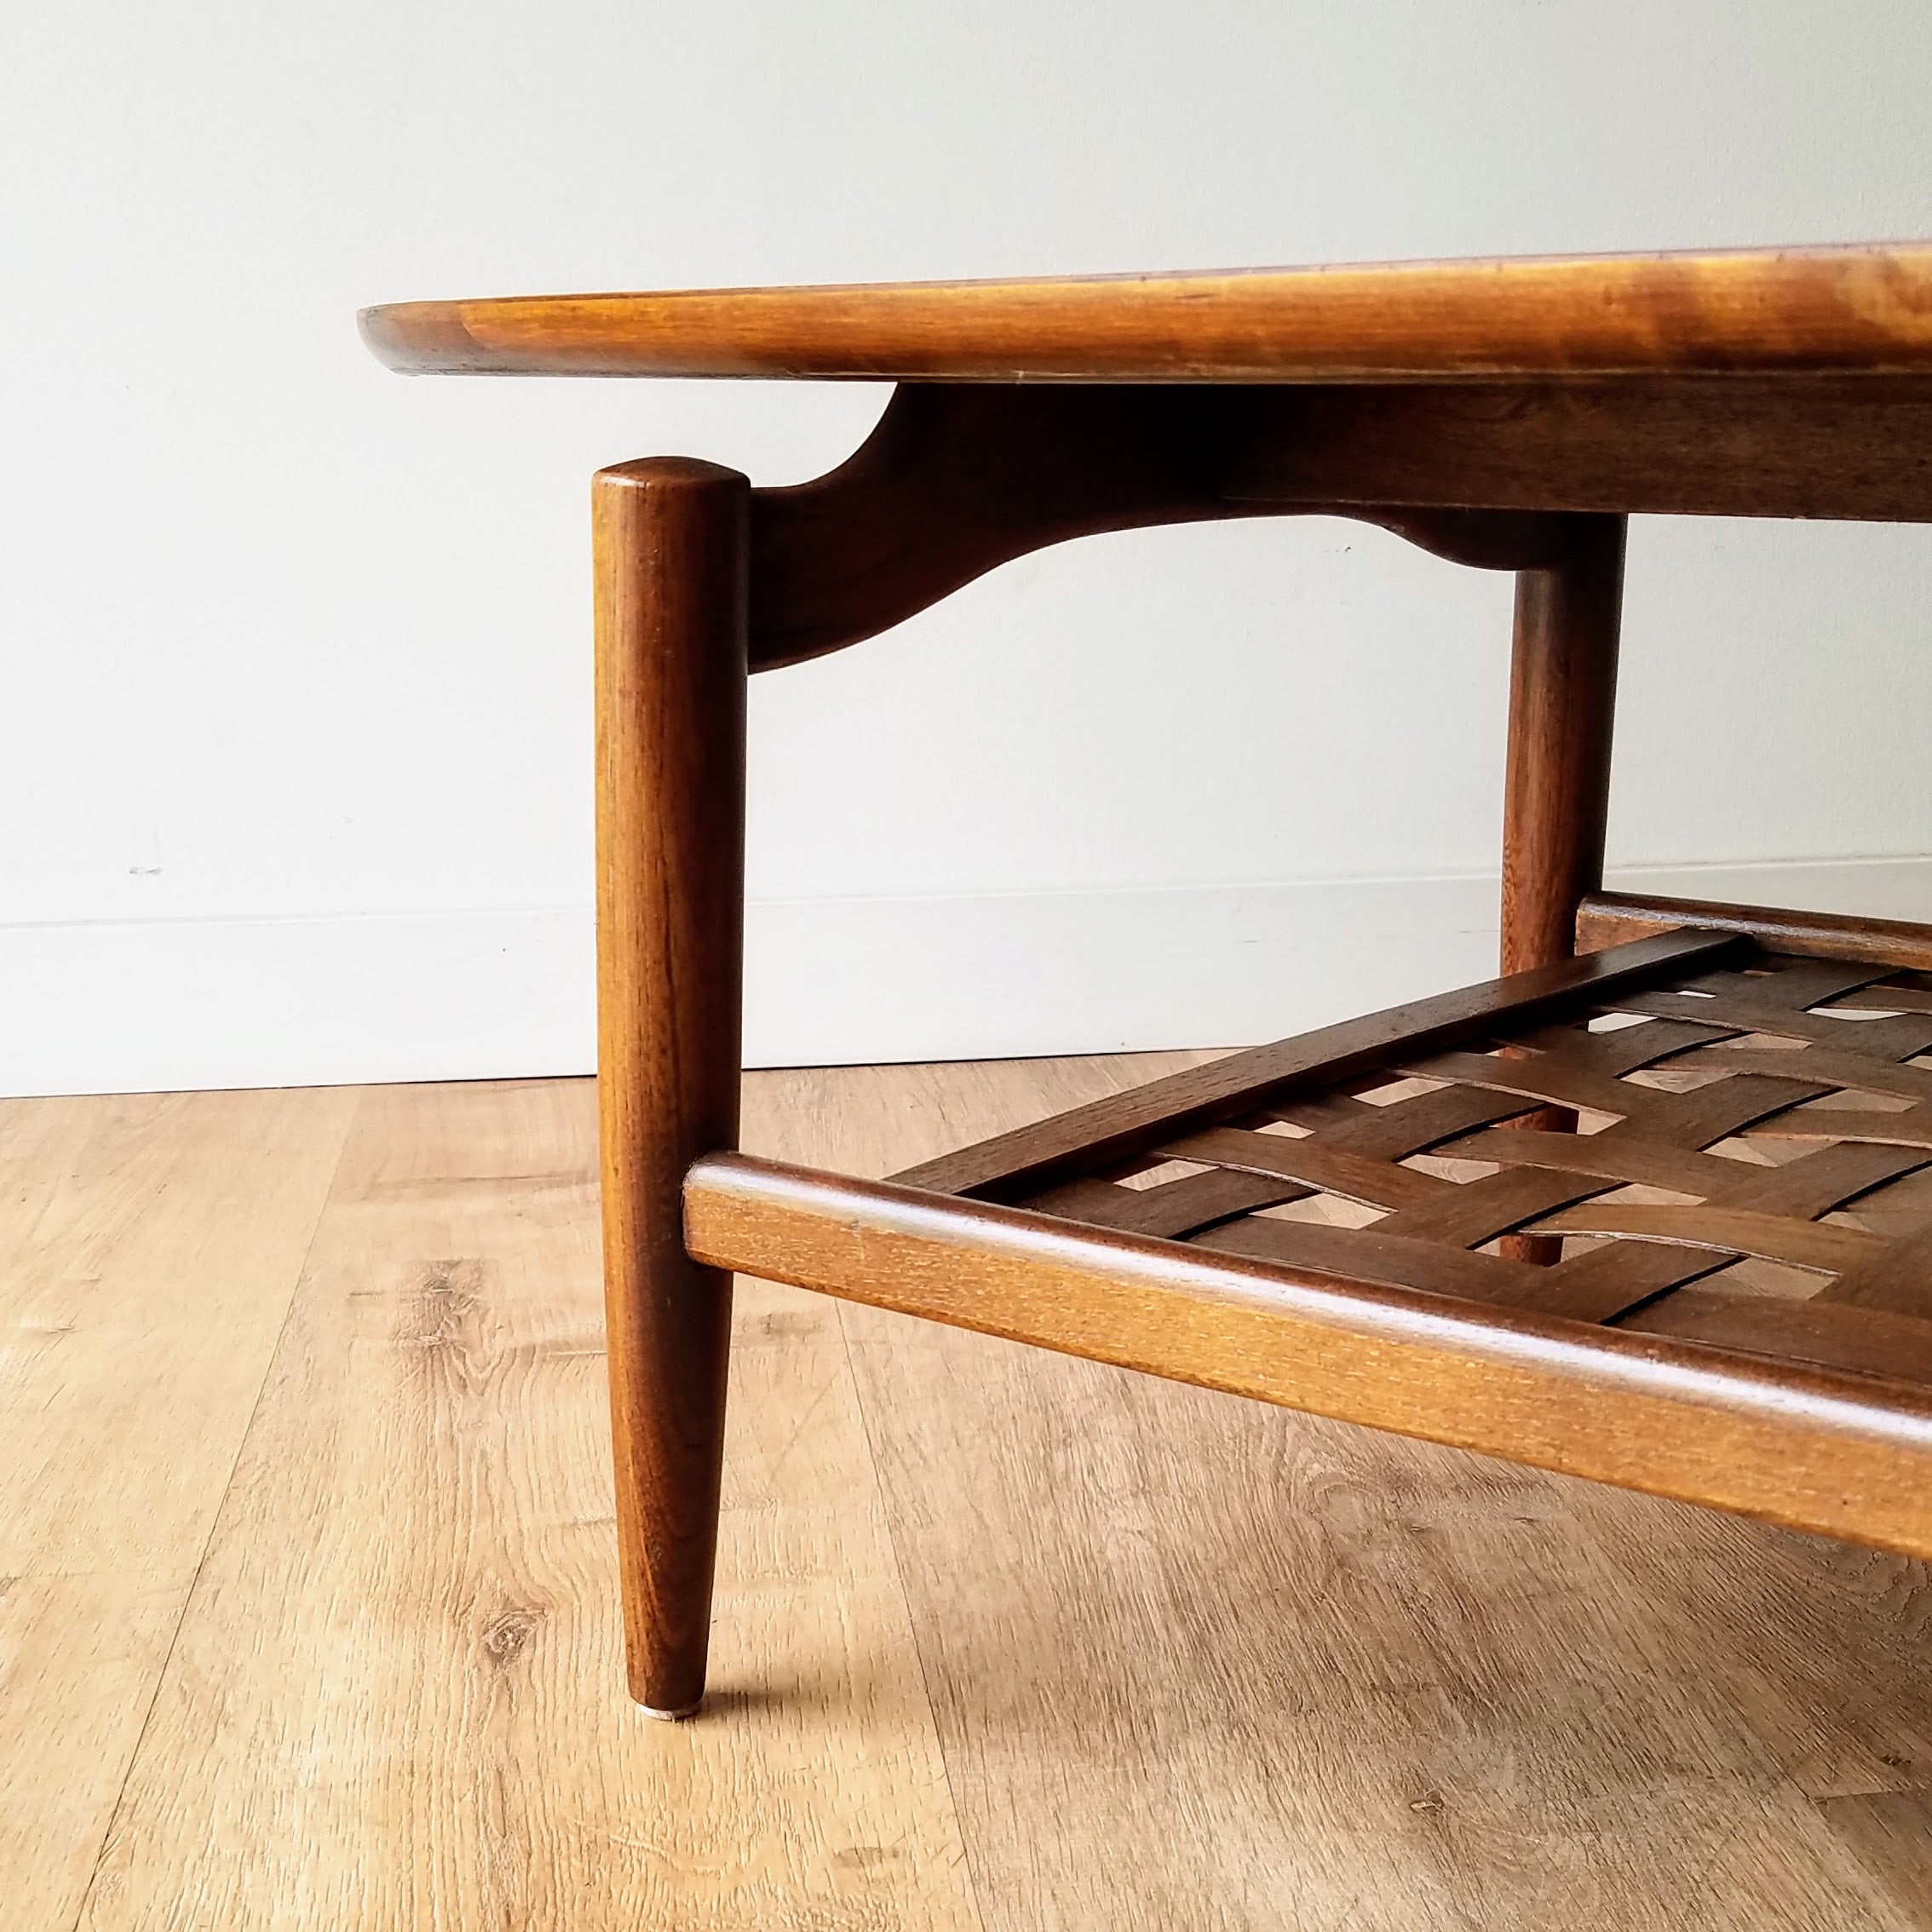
x=1562 y=694
x=671 y=547
x=1556 y=790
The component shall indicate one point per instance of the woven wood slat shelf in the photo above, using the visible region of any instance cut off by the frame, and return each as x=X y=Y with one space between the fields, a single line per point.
x=1750 y=1167
x=1660 y=1215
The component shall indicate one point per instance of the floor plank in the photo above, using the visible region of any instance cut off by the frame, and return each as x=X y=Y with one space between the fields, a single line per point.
x=1004 y=1641
x=1892 y=1830
x=396 y=1698
x=149 y=1249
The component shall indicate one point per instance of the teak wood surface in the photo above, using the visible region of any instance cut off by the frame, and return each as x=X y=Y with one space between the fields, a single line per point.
x=1503 y=415
x=1868 y=309
x=671 y=541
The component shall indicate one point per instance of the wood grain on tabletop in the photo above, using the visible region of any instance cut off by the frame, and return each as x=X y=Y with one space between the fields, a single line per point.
x=1866 y=307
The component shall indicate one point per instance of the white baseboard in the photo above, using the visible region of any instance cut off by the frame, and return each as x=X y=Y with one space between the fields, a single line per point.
x=160 y=1005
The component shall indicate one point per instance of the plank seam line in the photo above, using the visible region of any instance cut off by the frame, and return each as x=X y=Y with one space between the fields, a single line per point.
x=297 y=1277
x=840 y=1310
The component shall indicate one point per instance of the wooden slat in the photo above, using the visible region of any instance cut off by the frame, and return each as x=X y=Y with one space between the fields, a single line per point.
x=1899 y=1037
x=1770 y=1237
x=1539 y=1076
x=1333 y=1170
x=1623 y=1049
x=1896 y=1276
x=1804 y=1447
x=1898 y=1207
x=1910 y=1127
x=1648 y=1164
x=1466 y=1216
x=1394 y=1131
x=1885 y=998
x=1087 y=1137
x=1177 y=1208
x=1714 y=1112
x=1853 y=1069
x=1605 y=1281
x=1370 y=1255
x=1790 y=982
x=1868 y=1341
x=1817 y=1183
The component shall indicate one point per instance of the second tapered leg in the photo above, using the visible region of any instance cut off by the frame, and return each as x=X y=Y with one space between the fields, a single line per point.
x=1562 y=697
x=1556 y=791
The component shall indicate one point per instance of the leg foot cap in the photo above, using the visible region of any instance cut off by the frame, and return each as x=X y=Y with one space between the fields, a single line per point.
x=671 y=1717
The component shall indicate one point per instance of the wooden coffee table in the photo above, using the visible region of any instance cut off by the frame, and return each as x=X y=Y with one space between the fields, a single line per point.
x=1655 y=1207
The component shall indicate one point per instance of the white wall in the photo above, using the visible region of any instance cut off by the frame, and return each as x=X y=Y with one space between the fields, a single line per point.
x=295 y=730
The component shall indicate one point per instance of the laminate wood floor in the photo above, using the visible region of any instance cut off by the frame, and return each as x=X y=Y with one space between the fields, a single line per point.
x=309 y=1611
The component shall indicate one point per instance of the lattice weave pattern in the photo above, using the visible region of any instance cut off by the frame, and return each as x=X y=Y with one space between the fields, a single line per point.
x=1740 y=1157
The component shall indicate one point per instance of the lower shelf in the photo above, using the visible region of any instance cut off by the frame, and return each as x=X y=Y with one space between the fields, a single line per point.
x=1661 y=1216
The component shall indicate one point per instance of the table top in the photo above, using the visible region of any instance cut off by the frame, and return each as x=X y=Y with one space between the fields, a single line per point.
x=1865 y=309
